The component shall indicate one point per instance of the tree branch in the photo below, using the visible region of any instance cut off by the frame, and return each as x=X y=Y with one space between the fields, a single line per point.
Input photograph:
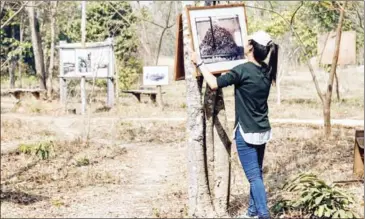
x=15 y=14
x=295 y=12
x=335 y=55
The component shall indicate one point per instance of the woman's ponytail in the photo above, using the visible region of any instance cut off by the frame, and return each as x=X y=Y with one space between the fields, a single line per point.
x=273 y=61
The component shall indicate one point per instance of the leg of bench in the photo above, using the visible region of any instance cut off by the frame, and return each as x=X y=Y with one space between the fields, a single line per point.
x=153 y=98
x=36 y=94
x=138 y=96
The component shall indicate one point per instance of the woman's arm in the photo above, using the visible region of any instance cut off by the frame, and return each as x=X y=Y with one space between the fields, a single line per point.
x=230 y=78
x=208 y=76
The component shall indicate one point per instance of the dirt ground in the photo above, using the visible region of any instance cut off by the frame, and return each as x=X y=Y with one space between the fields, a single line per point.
x=137 y=167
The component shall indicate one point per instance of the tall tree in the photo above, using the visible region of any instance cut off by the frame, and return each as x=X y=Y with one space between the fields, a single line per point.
x=200 y=204
x=218 y=148
x=37 y=44
x=52 y=52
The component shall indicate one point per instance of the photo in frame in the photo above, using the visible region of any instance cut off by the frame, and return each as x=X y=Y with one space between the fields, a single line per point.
x=155 y=75
x=218 y=35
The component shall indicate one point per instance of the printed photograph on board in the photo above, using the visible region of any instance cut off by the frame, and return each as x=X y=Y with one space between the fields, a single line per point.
x=155 y=75
x=219 y=38
x=218 y=34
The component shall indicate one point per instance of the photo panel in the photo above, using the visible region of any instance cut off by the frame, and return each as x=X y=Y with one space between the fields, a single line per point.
x=218 y=34
x=155 y=75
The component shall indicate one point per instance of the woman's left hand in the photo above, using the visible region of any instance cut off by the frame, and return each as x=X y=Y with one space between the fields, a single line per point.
x=194 y=57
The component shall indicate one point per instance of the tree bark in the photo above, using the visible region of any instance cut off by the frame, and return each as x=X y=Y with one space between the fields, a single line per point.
x=20 y=61
x=278 y=91
x=51 y=61
x=37 y=47
x=83 y=22
x=12 y=65
x=328 y=96
x=198 y=191
x=209 y=104
x=12 y=68
x=222 y=157
x=337 y=87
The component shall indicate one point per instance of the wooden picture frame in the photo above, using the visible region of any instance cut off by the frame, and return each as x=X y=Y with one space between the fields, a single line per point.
x=218 y=67
x=179 y=70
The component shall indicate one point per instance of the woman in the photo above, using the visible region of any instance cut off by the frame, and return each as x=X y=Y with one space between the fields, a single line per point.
x=252 y=81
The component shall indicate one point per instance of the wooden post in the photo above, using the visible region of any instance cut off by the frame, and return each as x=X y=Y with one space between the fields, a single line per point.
x=83 y=95
x=110 y=92
x=63 y=90
x=160 y=100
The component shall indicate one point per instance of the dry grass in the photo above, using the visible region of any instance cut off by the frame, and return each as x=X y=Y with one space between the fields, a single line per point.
x=152 y=165
x=138 y=168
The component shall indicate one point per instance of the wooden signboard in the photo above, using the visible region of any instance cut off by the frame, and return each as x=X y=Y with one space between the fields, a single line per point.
x=218 y=35
x=179 y=71
x=326 y=48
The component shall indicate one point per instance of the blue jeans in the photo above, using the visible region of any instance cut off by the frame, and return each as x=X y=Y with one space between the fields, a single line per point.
x=251 y=157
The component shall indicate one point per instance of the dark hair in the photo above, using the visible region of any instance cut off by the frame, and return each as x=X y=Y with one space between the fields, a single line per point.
x=261 y=52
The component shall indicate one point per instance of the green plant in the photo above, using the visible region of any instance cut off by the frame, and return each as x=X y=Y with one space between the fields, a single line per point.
x=315 y=198
x=42 y=149
x=25 y=148
x=82 y=162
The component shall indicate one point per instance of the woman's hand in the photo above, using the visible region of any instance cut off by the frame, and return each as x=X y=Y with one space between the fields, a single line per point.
x=194 y=57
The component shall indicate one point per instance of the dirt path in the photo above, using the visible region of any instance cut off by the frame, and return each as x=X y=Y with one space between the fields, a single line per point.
x=150 y=176
x=67 y=120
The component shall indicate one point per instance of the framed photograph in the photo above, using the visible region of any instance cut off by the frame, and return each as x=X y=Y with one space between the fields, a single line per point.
x=155 y=75
x=218 y=35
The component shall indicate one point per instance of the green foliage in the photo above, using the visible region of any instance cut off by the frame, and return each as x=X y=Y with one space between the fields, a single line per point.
x=313 y=18
x=82 y=162
x=111 y=19
x=316 y=198
x=41 y=150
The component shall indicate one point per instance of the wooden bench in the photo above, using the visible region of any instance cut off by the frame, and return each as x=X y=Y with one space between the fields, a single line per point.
x=152 y=93
x=19 y=93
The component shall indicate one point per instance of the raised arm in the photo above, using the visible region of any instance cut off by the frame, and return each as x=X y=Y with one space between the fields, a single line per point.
x=208 y=76
x=232 y=77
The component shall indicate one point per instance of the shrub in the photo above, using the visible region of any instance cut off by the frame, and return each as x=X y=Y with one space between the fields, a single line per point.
x=315 y=198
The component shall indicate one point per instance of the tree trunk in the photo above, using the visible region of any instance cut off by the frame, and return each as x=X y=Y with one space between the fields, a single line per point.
x=12 y=68
x=337 y=87
x=51 y=59
x=328 y=96
x=327 y=118
x=278 y=91
x=209 y=104
x=20 y=61
x=198 y=191
x=222 y=157
x=83 y=22
x=37 y=47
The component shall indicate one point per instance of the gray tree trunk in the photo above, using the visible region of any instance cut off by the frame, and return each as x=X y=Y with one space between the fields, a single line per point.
x=20 y=61
x=222 y=157
x=199 y=199
x=37 y=46
x=12 y=68
x=51 y=60
x=218 y=150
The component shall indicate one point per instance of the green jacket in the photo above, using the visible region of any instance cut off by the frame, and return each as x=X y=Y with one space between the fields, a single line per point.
x=252 y=88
